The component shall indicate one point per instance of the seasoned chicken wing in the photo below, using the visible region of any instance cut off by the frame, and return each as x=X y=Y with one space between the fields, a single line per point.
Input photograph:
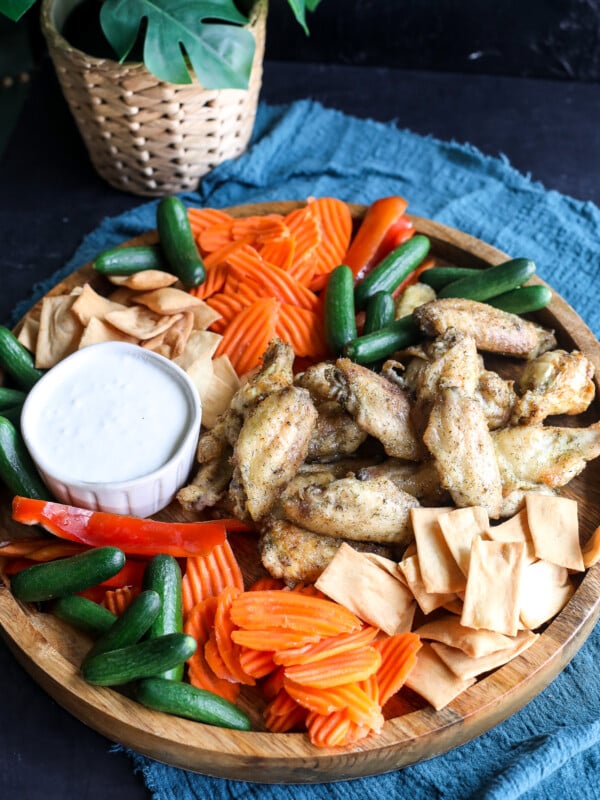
x=335 y=434
x=373 y=510
x=556 y=382
x=379 y=407
x=272 y=444
x=459 y=440
x=296 y=555
x=533 y=454
x=494 y=330
x=420 y=480
x=275 y=374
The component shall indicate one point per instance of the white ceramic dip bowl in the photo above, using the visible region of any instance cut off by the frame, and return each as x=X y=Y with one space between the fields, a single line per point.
x=113 y=427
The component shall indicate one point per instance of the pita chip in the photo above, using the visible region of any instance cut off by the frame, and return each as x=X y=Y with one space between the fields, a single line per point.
x=439 y=570
x=545 y=591
x=97 y=331
x=59 y=333
x=591 y=550
x=433 y=680
x=91 y=304
x=554 y=527
x=515 y=529
x=168 y=300
x=459 y=528
x=144 y=281
x=139 y=322
x=29 y=333
x=466 y=667
x=475 y=643
x=427 y=601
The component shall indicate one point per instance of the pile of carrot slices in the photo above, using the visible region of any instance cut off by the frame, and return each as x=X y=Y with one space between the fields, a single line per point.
x=318 y=667
x=264 y=275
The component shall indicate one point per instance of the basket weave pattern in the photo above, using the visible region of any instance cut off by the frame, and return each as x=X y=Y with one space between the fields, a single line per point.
x=146 y=136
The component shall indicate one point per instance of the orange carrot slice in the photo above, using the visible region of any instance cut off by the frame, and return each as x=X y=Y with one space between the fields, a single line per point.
x=356 y=664
x=335 y=220
x=398 y=657
x=272 y=639
x=117 y=600
x=279 y=252
x=203 y=218
x=283 y=714
x=207 y=576
x=303 y=330
x=329 y=730
x=214 y=238
x=256 y=663
x=325 y=648
x=224 y=626
x=247 y=336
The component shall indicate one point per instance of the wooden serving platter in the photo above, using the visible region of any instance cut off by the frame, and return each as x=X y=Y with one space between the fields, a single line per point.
x=51 y=651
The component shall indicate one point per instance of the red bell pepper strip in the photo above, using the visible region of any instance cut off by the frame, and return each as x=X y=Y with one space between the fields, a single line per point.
x=133 y=535
x=379 y=218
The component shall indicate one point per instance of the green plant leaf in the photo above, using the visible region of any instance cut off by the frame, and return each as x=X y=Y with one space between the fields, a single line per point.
x=208 y=32
x=14 y=9
x=300 y=7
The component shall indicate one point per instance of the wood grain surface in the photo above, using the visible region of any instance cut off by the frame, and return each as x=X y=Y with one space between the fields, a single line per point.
x=51 y=651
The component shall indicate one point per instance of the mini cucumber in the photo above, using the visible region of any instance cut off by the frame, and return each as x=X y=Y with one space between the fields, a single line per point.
x=13 y=414
x=67 y=576
x=130 y=626
x=129 y=260
x=141 y=660
x=491 y=281
x=163 y=576
x=375 y=346
x=379 y=312
x=185 y=700
x=17 y=361
x=17 y=469
x=11 y=397
x=340 y=318
x=177 y=242
x=438 y=277
x=83 y=614
x=394 y=268
x=523 y=300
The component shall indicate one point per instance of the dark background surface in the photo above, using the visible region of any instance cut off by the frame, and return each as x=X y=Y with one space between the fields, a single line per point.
x=512 y=78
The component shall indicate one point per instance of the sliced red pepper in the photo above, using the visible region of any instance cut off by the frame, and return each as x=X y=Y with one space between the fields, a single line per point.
x=377 y=222
x=134 y=535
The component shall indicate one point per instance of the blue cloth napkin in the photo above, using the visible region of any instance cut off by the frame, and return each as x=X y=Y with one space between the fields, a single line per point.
x=551 y=748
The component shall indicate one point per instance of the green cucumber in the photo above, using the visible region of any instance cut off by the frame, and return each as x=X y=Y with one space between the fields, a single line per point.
x=177 y=242
x=185 y=700
x=523 y=300
x=438 y=277
x=17 y=361
x=129 y=260
x=340 y=318
x=163 y=575
x=83 y=614
x=11 y=397
x=491 y=281
x=13 y=414
x=141 y=660
x=392 y=270
x=130 y=626
x=379 y=312
x=17 y=469
x=380 y=344
x=67 y=576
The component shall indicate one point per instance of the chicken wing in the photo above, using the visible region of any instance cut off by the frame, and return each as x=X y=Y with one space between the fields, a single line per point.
x=296 y=555
x=272 y=444
x=335 y=434
x=458 y=438
x=420 y=480
x=556 y=382
x=494 y=330
x=275 y=374
x=374 y=510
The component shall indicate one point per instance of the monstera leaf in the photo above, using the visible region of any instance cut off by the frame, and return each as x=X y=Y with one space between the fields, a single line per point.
x=205 y=35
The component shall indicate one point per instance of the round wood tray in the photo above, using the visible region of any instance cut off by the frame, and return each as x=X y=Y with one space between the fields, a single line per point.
x=51 y=651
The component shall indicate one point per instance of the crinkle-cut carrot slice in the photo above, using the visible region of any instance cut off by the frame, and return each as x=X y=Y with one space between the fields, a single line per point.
x=214 y=282
x=267 y=582
x=305 y=227
x=215 y=661
x=398 y=657
x=229 y=306
x=292 y=610
x=283 y=714
x=223 y=628
x=246 y=338
x=358 y=705
x=336 y=231
x=117 y=600
x=218 y=258
x=279 y=252
x=357 y=664
x=329 y=730
x=257 y=663
x=199 y=623
x=214 y=238
x=203 y=218
x=273 y=683
x=327 y=647
x=40 y=548
x=303 y=330
x=207 y=576
x=259 y=228
x=272 y=639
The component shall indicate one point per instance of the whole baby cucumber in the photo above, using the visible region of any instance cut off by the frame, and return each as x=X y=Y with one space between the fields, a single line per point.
x=130 y=626
x=185 y=700
x=67 y=576
x=17 y=361
x=11 y=397
x=163 y=576
x=17 y=469
x=491 y=281
x=129 y=260
x=340 y=319
x=177 y=242
x=379 y=312
x=380 y=344
x=392 y=270
x=141 y=660
x=438 y=277
x=83 y=614
x=523 y=300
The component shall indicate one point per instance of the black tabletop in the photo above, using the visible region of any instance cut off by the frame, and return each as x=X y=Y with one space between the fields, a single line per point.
x=50 y=198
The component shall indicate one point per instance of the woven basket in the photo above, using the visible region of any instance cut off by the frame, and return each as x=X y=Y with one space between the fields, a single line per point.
x=143 y=135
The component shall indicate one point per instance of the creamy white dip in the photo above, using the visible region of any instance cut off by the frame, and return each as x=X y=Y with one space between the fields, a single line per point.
x=108 y=414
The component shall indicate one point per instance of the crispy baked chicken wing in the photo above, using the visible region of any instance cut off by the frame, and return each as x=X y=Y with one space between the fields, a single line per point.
x=420 y=480
x=494 y=330
x=275 y=374
x=335 y=434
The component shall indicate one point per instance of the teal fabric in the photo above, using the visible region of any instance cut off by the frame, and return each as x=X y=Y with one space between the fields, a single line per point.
x=551 y=748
